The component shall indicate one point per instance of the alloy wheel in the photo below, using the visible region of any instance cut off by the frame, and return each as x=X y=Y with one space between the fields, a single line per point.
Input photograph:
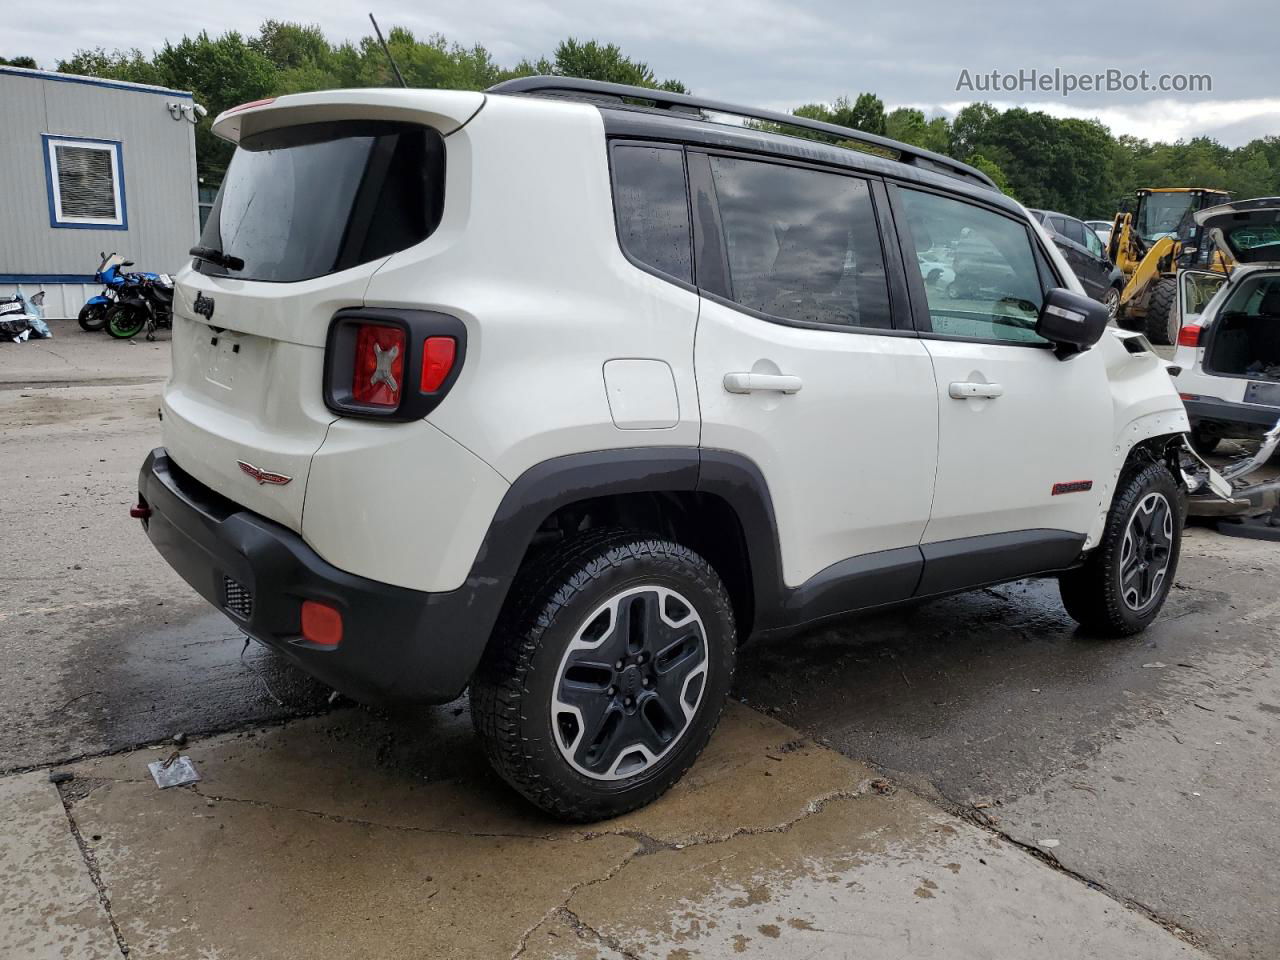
x=1146 y=552
x=629 y=683
x=1112 y=302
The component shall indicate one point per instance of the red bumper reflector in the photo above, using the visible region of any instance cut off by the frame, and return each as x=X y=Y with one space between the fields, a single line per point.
x=321 y=624
x=437 y=361
x=140 y=511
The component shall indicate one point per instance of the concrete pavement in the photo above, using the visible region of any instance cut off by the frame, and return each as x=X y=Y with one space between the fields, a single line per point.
x=356 y=836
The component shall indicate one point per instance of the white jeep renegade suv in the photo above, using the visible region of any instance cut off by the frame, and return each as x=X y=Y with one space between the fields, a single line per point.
x=562 y=390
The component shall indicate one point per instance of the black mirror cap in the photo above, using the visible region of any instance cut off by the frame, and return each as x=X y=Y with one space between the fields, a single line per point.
x=1071 y=321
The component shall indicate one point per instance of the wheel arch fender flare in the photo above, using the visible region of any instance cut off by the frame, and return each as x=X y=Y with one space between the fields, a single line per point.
x=551 y=485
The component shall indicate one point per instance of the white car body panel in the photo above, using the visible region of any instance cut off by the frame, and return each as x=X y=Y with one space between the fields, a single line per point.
x=563 y=302
x=989 y=482
x=849 y=458
x=870 y=454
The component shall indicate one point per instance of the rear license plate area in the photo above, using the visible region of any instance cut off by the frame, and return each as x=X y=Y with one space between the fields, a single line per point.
x=222 y=360
x=1267 y=394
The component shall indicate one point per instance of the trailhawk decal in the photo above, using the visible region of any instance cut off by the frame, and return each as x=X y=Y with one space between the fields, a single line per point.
x=1075 y=486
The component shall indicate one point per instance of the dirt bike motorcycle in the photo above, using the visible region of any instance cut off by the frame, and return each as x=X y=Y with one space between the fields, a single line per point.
x=144 y=302
x=93 y=315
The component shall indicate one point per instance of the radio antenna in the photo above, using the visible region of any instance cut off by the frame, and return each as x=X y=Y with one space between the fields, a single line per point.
x=387 y=51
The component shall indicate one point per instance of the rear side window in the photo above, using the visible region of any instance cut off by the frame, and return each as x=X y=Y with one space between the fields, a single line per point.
x=803 y=245
x=979 y=269
x=652 y=207
x=305 y=201
x=1075 y=231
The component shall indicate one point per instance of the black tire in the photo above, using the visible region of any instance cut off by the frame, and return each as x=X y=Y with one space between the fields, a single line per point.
x=93 y=317
x=1162 y=314
x=1204 y=440
x=125 y=320
x=564 y=595
x=1106 y=595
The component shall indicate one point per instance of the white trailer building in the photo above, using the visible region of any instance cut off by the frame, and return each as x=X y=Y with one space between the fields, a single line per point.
x=90 y=166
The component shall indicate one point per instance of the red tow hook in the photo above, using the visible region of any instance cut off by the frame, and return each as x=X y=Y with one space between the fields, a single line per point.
x=140 y=511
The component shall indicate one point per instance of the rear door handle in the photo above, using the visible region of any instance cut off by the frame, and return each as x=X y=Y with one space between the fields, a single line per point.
x=968 y=390
x=754 y=382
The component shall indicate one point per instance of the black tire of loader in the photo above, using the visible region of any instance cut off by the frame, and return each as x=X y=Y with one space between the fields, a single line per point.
x=1161 y=320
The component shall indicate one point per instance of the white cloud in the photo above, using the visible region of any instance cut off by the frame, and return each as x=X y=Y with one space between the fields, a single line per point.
x=1233 y=121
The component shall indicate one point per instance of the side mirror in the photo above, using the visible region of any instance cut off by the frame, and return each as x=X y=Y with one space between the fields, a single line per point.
x=1070 y=321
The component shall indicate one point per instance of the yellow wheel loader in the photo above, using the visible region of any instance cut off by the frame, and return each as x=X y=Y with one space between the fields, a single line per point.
x=1150 y=244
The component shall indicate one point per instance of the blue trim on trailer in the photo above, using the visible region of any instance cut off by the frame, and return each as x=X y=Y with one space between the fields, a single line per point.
x=92 y=81
x=47 y=278
x=48 y=185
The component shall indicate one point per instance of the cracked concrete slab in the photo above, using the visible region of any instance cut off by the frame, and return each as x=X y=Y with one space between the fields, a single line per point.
x=1176 y=783
x=51 y=907
x=869 y=876
x=364 y=836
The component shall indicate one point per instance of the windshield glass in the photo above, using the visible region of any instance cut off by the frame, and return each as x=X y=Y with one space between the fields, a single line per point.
x=304 y=201
x=1161 y=214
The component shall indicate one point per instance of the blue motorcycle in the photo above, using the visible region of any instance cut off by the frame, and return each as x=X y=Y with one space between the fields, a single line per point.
x=93 y=315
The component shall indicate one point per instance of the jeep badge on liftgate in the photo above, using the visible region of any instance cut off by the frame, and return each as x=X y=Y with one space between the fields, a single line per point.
x=203 y=306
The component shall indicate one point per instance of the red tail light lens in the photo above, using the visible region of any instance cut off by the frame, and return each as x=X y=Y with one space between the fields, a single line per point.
x=321 y=624
x=391 y=364
x=378 y=377
x=437 y=361
x=1189 y=336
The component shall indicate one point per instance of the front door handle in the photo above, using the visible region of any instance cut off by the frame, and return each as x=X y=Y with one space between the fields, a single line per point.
x=753 y=382
x=968 y=390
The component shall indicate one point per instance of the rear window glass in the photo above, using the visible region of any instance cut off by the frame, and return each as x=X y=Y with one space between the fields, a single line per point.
x=305 y=201
x=652 y=207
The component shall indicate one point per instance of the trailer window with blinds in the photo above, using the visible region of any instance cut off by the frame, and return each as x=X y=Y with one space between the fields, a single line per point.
x=85 y=183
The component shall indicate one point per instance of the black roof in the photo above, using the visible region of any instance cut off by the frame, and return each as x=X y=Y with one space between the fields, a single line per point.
x=687 y=115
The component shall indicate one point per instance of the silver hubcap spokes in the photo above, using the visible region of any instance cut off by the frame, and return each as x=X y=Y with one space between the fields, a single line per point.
x=1112 y=303
x=1146 y=552
x=629 y=683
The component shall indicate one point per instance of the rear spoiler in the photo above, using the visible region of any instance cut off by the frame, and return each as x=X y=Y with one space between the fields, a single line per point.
x=445 y=110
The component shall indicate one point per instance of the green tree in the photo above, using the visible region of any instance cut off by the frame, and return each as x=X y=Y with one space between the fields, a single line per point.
x=595 y=61
x=129 y=65
x=28 y=62
x=971 y=128
x=908 y=125
x=222 y=72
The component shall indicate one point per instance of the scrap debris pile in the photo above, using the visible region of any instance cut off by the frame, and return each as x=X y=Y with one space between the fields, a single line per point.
x=21 y=318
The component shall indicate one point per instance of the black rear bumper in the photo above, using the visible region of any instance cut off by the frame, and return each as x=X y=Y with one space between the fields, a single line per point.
x=1248 y=419
x=398 y=645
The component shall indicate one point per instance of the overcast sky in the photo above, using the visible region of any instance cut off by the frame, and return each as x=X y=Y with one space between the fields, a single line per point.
x=780 y=54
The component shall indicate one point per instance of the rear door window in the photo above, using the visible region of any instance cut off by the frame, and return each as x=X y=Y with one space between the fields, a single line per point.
x=651 y=204
x=1074 y=230
x=803 y=245
x=304 y=201
x=990 y=287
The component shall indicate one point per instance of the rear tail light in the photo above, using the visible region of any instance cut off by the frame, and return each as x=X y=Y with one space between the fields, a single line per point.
x=378 y=371
x=321 y=624
x=1189 y=336
x=391 y=364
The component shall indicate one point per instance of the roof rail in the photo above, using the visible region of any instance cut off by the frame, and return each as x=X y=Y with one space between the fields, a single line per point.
x=576 y=88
